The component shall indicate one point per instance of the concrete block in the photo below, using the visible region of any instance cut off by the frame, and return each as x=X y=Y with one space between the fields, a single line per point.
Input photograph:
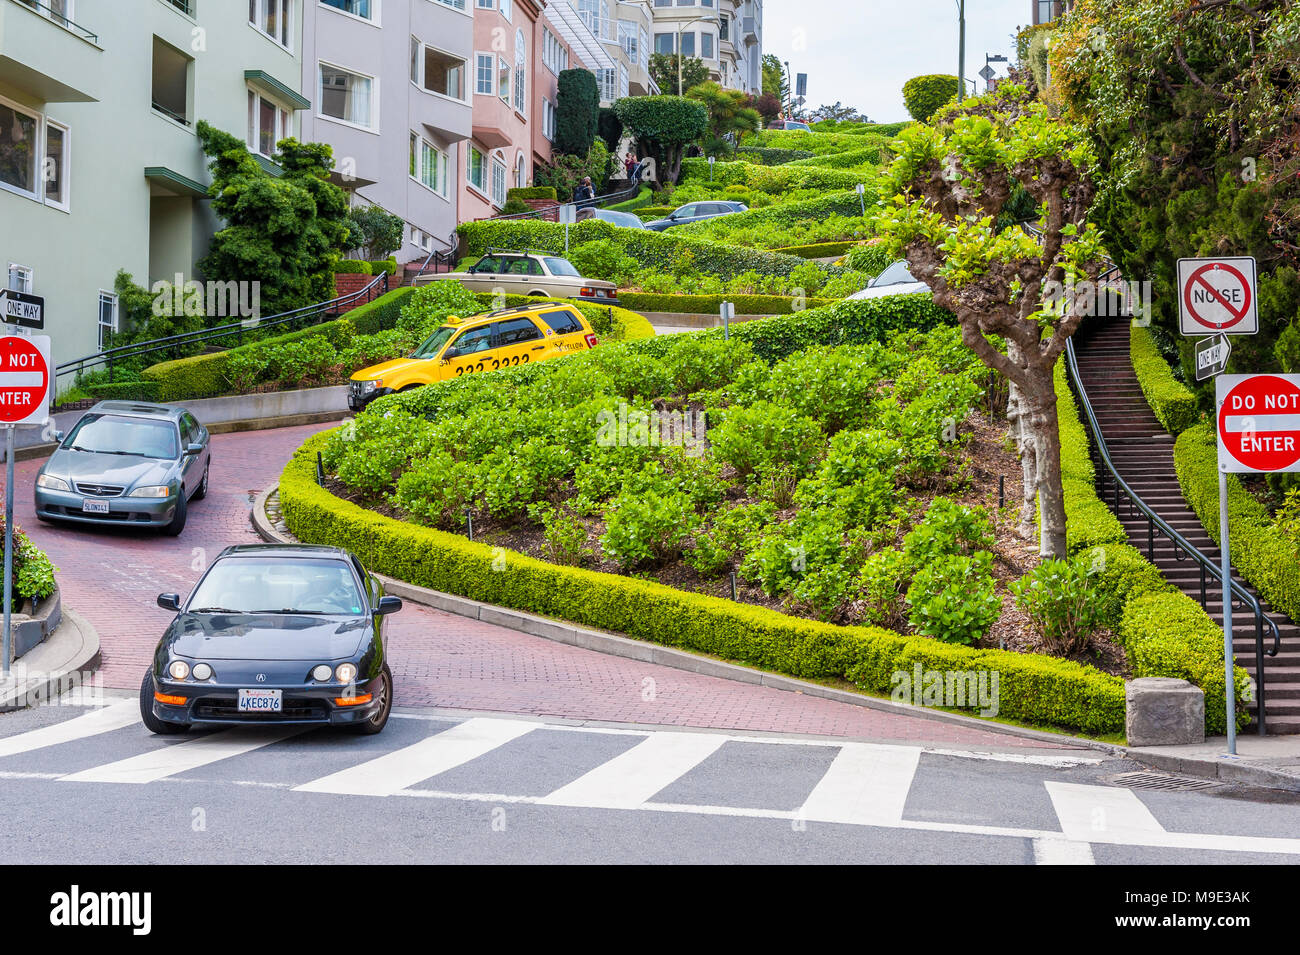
x=1163 y=711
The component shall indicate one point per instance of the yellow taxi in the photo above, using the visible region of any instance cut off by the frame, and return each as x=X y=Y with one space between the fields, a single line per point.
x=501 y=339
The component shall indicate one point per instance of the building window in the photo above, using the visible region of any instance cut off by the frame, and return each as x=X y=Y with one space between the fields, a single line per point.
x=521 y=172
x=268 y=123
x=663 y=3
x=723 y=22
x=505 y=9
x=428 y=165
x=688 y=44
x=107 y=317
x=346 y=96
x=595 y=14
x=706 y=3
x=365 y=9
x=436 y=71
x=706 y=45
x=503 y=78
x=624 y=89
x=272 y=17
x=521 y=74
x=486 y=4
x=627 y=38
x=548 y=119
x=476 y=170
x=645 y=48
x=483 y=73
x=608 y=80
x=664 y=43
x=686 y=3
x=19 y=149
x=20 y=278
x=554 y=53
x=498 y=181
x=171 y=82
x=454 y=4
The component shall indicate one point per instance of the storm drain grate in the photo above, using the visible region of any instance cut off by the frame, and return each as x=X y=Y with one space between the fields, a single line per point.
x=1164 y=782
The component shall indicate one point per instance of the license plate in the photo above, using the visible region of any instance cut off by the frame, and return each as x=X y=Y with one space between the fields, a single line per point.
x=94 y=507
x=260 y=701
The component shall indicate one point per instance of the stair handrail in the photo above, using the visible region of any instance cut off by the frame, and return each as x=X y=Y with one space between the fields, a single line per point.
x=609 y=198
x=376 y=286
x=1156 y=522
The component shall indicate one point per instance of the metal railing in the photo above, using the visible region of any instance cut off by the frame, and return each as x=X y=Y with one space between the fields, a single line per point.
x=176 y=344
x=57 y=17
x=609 y=198
x=1183 y=549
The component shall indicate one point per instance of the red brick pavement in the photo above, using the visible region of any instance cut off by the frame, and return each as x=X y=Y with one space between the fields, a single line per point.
x=113 y=575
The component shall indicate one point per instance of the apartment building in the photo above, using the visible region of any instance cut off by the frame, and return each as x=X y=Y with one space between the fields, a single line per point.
x=100 y=167
x=1045 y=11
x=565 y=43
x=390 y=82
x=725 y=34
x=624 y=31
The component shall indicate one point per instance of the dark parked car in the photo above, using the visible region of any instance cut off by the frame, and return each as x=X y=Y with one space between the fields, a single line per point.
x=274 y=633
x=624 y=219
x=697 y=212
x=126 y=463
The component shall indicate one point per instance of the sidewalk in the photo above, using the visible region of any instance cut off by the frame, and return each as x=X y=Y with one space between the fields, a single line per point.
x=1272 y=761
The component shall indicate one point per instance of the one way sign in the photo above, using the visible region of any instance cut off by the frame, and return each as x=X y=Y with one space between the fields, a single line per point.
x=1212 y=356
x=19 y=308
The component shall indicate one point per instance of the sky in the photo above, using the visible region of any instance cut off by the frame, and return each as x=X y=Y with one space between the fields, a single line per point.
x=861 y=52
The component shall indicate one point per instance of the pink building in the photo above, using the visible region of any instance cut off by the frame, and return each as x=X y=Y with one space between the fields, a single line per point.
x=520 y=48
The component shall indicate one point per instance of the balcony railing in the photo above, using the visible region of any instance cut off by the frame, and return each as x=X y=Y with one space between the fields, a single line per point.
x=184 y=6
x=170 y=114
x=57 y=16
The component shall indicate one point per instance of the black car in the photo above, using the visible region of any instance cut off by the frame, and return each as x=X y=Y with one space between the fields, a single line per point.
x=274 y=633
x=696 y=212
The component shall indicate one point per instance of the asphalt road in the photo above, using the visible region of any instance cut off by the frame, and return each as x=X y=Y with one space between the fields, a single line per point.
x=88 y=784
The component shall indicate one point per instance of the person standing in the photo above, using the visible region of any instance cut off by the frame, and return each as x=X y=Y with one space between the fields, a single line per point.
x=629 y=164
x=584 y=193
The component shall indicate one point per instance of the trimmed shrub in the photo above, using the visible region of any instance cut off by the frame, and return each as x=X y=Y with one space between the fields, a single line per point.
x=779 y=216
x=642 y=199
x=1088 y=521
x=872 y=155
x=577 y=103
x=923 y=95
x=771 y=157
x=124 y=391
x=531 y=192
x=818 y=250
x=379 y=266
x=353 y=267
x=1172 y=401
x=745 y=304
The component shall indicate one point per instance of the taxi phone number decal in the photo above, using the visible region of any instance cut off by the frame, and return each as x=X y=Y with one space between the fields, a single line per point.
x=495 y=364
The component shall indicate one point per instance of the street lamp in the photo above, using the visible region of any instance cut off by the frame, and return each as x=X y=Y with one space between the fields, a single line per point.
x=680 y=24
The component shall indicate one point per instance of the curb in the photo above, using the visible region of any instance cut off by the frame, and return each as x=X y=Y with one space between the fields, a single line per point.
x=1224 y=768
x=49 y=669
x=620 y=646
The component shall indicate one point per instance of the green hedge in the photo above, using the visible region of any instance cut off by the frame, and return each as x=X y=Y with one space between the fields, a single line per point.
x=698 y=304
x=530 y=192
x=819 y=250
x=647 y=213
x=660 y=250
x=123 y=391
x=353 y=267
x=380 y=266
x=780 y=216
x=1261 y=553
x=204 y=376
x=724 y=173
x=643 y=197
x=1164 y=632
x=873 y=155
x=1088 y=521
x=772 y=157
x=1172 y=401
x=1034 y=689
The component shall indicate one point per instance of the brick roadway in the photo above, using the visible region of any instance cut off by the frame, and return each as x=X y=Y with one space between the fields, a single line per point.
x=112 y=576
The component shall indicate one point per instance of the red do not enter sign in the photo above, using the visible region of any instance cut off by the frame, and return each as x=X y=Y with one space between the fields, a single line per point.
x=1258 y=422
x=24 y=379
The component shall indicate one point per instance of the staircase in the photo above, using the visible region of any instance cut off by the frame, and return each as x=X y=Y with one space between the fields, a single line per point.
x=1143 y=455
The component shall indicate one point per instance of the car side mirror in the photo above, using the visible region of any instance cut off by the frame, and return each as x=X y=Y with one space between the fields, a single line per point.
x=472 y=269
x=452 y=352
x=389 y=605
x=193 y=448
x=170 y=602
x=58 y=435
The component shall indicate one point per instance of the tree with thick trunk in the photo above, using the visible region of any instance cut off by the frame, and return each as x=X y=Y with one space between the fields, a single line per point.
x=1018 y=292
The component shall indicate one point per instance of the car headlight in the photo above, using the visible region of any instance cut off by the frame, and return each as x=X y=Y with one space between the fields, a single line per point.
x=151 y=490
x=322 y=673
x=178 y=670
x=369 y=386
x=52 y=483
x=345 y=672
x=202 y=671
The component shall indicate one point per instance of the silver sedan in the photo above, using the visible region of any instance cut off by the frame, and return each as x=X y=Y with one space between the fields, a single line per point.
x=126 y=463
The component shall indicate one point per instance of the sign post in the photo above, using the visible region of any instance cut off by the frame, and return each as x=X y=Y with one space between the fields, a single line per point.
x=1258 y=423
x=568 y=216
x=24 y=400
x=728 y=311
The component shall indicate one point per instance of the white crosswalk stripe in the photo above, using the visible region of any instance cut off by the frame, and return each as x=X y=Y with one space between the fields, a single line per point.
x=182 y=757
x=112 y=717
x=632 y=777
x=866 y=785
x=412 y=764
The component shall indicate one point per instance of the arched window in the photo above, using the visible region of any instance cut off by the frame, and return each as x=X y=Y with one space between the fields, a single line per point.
x=521 y=73
x=521 y=171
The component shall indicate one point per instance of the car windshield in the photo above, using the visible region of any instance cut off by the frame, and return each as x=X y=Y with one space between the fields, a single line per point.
x=277 y=585
x=430 y=347
x=895 y=274
x=560 y=267
x=122 y=434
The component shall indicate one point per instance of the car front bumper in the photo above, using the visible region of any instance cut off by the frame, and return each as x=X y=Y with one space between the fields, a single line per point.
x=136 y=511
x=210 y=704
x=357 y=401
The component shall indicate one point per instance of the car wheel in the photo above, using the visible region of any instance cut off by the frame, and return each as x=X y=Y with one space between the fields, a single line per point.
x=202 y=490
x=377 y=722
x=151 y=722
x=178 y=519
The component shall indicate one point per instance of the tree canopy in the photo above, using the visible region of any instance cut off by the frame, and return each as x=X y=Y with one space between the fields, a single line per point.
x=663 y=126
x=663 y=70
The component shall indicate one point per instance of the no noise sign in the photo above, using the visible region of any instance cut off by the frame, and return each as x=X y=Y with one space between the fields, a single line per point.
x=1258 y=422
x=24 y=379
x=1217 y=295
